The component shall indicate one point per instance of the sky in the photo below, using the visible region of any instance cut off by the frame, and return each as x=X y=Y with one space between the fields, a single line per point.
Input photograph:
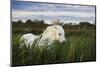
x=24 y=10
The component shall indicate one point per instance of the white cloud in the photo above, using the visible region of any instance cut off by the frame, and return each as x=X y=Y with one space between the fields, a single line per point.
x=24 y=15
x=21 y=13
x=52 y=13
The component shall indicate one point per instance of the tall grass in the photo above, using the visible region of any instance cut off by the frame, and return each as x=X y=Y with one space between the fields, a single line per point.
x=79 y=47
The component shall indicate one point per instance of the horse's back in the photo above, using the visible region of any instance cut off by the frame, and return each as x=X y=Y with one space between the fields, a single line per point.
x=28 y=39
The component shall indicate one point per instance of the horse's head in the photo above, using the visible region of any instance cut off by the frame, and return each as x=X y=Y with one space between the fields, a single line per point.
x=54 y=32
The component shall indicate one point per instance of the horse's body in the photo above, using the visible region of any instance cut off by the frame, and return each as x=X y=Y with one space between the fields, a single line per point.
x=51 y=33
x=28 y=39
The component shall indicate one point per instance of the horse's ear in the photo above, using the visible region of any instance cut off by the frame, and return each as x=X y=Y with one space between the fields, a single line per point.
x=61 y=24
x=58 y=22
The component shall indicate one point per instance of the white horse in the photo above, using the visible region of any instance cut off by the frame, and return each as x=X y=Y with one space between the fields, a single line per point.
x=52 y=33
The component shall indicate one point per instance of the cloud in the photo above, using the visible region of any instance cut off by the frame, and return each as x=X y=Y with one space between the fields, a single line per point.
x=47 y=11
x=35 y=6
x=52 y=15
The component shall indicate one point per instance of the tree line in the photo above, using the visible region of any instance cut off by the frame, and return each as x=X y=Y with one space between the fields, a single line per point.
x=39 y=25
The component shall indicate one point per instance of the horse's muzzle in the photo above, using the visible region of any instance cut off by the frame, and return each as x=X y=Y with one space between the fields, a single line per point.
x=64 y=42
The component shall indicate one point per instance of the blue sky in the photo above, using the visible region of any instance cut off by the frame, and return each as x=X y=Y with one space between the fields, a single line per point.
x=23 y=10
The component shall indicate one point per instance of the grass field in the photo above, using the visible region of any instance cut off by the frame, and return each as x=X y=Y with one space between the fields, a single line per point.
x=79 y=47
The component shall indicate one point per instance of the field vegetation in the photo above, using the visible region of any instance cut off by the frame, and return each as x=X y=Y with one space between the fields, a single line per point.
x=80 y=45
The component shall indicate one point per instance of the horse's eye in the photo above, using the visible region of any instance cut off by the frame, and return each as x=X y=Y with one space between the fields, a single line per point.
x=59 y=33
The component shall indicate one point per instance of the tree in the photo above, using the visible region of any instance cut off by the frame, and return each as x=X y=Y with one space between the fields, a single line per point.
x=19 y=22
x=29 y=21
x=84 y=23
x=42 y=21
x=35 y=20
